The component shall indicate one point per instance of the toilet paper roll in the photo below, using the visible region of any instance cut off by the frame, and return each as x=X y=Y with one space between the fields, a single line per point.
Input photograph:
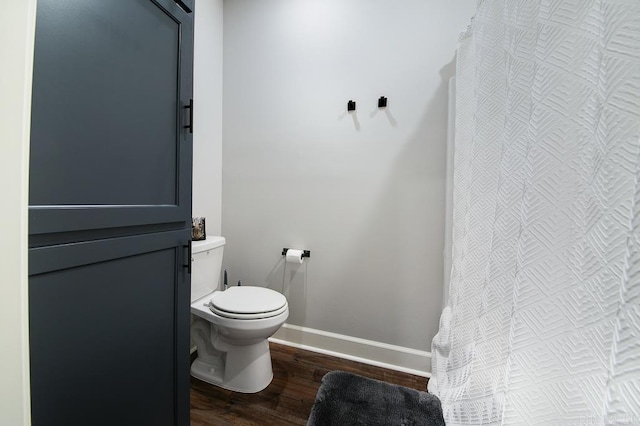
x=294 y=256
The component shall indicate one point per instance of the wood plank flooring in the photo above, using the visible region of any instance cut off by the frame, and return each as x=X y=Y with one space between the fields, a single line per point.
x=288 y=399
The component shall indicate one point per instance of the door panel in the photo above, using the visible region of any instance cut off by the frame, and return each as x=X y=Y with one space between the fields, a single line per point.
x=105 y=338
x=121 y=150
x=111 y=84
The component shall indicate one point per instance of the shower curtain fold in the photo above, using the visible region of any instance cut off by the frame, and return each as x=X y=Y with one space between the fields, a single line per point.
x=543 y=320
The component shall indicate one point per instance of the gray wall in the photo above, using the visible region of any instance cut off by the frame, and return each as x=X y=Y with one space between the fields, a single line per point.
x=363 y=192
x=207 y=98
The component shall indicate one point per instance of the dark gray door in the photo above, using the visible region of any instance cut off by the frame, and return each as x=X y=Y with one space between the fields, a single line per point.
x=110 y=212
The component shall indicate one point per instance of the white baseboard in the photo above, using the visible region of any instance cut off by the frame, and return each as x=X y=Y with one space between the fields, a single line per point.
x=370 y=352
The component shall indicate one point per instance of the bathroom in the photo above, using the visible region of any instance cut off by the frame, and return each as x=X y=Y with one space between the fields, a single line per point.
x=280 y=162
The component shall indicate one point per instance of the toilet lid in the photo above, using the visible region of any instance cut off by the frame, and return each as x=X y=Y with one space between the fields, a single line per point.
x=247 y=300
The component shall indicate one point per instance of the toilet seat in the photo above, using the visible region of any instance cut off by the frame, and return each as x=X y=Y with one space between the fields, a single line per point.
x=247 y=302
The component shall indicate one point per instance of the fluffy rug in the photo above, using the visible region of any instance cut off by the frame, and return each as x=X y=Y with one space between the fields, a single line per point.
x=346 y=399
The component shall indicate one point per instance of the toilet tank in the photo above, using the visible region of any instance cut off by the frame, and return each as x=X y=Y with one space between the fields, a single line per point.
x=206 y=266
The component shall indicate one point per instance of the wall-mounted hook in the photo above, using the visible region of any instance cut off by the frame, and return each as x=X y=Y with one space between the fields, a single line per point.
x=351 y=106
x=382 y=102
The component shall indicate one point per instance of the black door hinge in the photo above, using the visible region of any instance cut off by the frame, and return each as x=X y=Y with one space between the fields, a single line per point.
x=190 y=108
x=189 y=253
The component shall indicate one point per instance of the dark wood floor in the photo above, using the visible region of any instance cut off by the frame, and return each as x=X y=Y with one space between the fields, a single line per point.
x=289 y=397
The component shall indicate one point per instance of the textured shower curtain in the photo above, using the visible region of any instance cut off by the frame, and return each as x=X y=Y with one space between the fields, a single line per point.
x=543 y=320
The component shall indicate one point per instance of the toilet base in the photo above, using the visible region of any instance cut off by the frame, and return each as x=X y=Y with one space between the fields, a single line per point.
x=245 y=369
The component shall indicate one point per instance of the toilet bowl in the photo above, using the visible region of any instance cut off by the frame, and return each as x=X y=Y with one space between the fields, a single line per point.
x=230 y=328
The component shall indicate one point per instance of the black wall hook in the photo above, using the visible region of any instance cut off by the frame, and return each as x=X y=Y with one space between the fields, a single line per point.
x=351 y=106
x=382 y=102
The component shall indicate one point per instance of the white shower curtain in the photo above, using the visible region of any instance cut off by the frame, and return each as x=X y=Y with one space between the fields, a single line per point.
x=543 y=320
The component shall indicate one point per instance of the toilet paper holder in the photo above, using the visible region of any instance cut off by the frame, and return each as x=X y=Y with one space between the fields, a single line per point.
x=305 y=253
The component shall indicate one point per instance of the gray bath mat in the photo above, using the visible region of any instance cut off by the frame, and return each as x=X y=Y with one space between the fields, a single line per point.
x=345 y=399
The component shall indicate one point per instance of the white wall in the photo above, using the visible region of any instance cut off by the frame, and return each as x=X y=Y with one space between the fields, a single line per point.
x=207 y=99
x=17 y=29
x=363 y=192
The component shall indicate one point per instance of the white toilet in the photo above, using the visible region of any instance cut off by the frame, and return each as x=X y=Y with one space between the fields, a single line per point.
x=230 y=328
